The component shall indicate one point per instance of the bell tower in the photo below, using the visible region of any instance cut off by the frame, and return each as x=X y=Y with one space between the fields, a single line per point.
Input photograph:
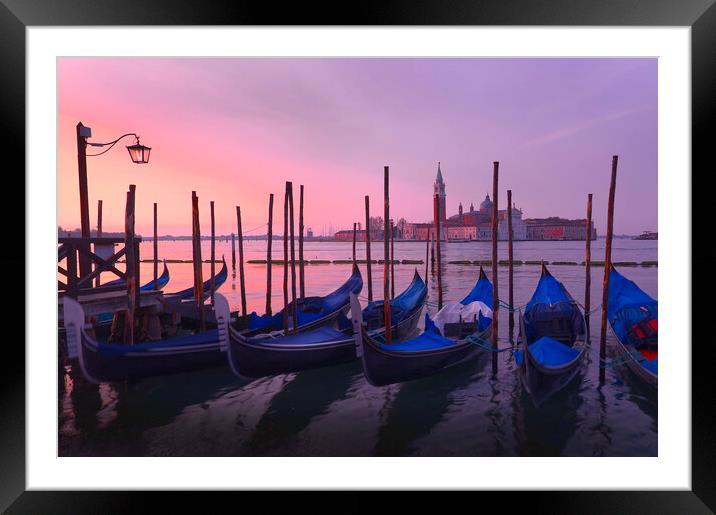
x=439 y=190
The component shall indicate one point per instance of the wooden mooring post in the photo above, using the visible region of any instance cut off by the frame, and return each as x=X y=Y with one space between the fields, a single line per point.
x=294 y=304
x=432 y=248
x=301 y=272
x=285 y=259
x=588 y=264
x=132 y=262
x=392 y=260
x=99 y=232
x=233 y=255
x=427 y=252
x=268 y=255
x=354 y=242
x=196 y=258
x=156 y=248
x=213 y=253
x=495 y=295
x=436 y=240
x=242 y=284
x=607 y=266
x=511 y=316
x=367 y=249
x=386 y=255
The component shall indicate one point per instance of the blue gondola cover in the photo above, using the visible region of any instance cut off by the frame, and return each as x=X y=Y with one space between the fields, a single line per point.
x=426 y=341
x=551 y=353
x=319 y=306
x=628 y=304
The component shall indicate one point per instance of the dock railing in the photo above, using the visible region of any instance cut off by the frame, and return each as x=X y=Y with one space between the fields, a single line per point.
x=72 y=250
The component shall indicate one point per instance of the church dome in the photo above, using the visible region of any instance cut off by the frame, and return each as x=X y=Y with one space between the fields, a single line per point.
x=486 y=204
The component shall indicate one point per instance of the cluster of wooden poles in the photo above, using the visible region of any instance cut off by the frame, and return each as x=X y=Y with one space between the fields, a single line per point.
x=436 y=233
x=388 y=262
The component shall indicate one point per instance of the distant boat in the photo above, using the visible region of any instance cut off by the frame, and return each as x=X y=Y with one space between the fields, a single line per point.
x=647 y=235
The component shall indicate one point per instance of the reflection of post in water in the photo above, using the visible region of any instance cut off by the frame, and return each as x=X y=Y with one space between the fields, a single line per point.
x=157 y=402
x=293 y=408
x=545 y=430
x=420 y=405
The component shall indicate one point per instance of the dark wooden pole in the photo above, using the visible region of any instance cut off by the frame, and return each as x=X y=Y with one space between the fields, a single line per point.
x=213 y=252
x=432 y=246
x=495 y=295
x=131 y=260
x=436 y=215
x=196 y=258
x=285 y=259
x=242 y=283
x=293 y=262
x=233 y=254
x=588 y=263
x=354 y=242
x=367 y=249
x=268 y=255
x=301 y=272
x=511 y=316
x=427 y=253
x=386 y=254
x=156 y=248
x=99 y=232
x=607 y=265
x=85 y=263
x=392 y=261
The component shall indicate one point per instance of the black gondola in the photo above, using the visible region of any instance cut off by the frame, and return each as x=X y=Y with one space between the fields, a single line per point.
x=427 y=353
x=552 y=339
x=115 y=362
x=264 y=354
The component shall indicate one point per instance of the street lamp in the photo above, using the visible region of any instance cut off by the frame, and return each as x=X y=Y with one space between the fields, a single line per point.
x=137 y=152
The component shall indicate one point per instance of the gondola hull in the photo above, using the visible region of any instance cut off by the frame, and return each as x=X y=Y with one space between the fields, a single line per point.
x=542 y=382
x=383 y=367
x=103 y=363
x=252 y=360
x=557 y=327
x=630 y=357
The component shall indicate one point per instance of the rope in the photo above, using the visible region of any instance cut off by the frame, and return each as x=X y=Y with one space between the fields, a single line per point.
x=615 y=363
x=481 y=342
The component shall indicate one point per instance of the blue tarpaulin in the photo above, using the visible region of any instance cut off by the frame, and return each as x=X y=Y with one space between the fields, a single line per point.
x=551 y=302
x=551 y=353
x=401 y=305
x=628 y=304
x=426 y=341
x=204 y=337
x=318 y=335
x=312 y=308
x=482 y=291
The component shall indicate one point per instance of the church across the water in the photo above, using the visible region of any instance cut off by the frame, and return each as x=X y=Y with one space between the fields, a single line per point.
x=476 y=224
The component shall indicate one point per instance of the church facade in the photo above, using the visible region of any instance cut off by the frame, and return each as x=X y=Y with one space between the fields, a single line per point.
x=474 y=224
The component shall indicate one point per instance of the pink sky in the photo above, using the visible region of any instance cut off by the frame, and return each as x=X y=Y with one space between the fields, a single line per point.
x=235 y=130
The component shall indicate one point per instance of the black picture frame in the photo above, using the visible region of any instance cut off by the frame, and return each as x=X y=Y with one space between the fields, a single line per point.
x=699 y=15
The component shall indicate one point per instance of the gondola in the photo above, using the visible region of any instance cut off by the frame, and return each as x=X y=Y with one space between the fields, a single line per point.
x=633 y=316
x=115 y=362
x=552 y=339
x=188 y=293
x=264 y=354
x=429 y=352
x=311 y=312
x=162 y=281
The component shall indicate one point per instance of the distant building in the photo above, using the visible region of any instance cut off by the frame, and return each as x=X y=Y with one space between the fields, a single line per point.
x=555 y=228
x=471 y=225
x=309 y=233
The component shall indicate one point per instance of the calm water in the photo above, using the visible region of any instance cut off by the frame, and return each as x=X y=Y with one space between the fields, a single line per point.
x=333 y=411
